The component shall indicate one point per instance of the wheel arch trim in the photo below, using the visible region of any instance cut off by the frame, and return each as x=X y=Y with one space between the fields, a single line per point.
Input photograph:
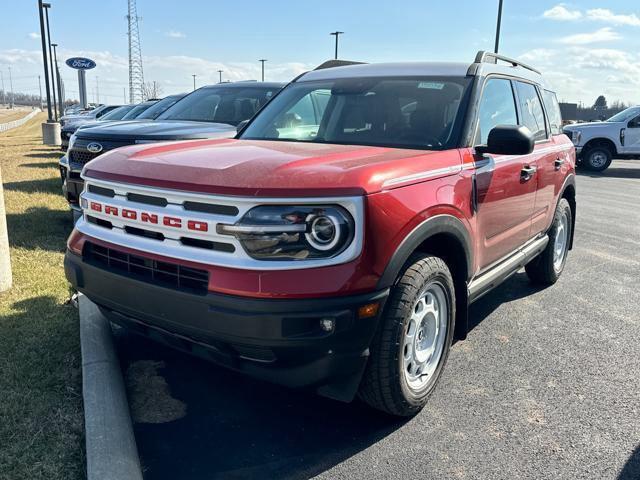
x=438 y=224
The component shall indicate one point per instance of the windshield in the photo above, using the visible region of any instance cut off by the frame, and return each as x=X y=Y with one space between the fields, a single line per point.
x=395 y=112
x=152 y=112
x=222 y=104
x=137 y=110
x=117 y=113
x=625 y=115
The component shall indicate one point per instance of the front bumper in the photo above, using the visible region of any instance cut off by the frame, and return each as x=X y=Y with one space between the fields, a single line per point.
x=277 y=340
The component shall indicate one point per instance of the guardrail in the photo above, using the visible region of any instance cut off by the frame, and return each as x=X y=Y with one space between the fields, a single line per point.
x=16 y=123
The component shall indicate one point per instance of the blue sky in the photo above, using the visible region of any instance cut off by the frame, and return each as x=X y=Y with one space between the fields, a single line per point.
x=585 y=48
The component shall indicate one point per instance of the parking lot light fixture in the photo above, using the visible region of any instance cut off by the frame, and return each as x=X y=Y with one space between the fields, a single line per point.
x=220 y=73
x=336 y=34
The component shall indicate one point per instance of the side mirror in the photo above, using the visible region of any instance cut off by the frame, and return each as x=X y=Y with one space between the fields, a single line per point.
x=241 y=125
x=508 y=140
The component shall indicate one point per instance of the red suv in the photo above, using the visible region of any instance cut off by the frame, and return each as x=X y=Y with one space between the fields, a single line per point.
x=337 y=241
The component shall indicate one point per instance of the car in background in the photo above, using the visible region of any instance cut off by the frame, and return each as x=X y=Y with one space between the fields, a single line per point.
x=597 y=143
x=210 y=112
x=144 y=111
x=95 y=113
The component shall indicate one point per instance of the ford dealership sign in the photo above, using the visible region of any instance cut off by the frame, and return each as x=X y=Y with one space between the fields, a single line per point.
x=80 y=63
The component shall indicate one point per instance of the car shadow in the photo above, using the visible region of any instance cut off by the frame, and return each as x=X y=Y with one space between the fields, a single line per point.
x=631 y=469
x=236 y=427
x=44 y=185
x=49 y=154
x=43 y=165
x=612 y=172
x=240 y=428
x=39 y=228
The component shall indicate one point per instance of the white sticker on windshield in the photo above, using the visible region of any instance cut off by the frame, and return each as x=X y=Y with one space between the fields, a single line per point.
x=431 y=85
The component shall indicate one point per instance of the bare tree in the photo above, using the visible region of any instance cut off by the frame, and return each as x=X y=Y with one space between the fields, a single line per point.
x=151 y=90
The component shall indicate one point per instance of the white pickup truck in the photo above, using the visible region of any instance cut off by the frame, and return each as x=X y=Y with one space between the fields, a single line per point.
x=597 y=143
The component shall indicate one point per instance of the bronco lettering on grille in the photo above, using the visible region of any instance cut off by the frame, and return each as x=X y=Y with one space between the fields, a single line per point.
x=147 y=217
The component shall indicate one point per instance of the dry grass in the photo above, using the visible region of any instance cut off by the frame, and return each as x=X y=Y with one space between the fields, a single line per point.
x=41 y=421
x=7 y=115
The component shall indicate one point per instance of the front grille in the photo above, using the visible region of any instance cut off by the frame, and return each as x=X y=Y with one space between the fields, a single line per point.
x=170 y=275
x=81 y=157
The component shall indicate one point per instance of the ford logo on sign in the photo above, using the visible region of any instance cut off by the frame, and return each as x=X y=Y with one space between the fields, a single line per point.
x=80 y=63
x=94 y=147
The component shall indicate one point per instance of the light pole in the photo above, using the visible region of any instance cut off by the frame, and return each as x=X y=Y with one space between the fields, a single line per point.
x=498 y=26
x=40 y=88
x=47 y=6
x=11 y=99
x=3 y=92
x=194 y=81
x=220 y=73
x=55 y=60
x=97 y=91
x=262 y=60
x=336 y=34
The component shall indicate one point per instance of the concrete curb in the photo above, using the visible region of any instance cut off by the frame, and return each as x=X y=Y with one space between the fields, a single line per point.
x=110 y=443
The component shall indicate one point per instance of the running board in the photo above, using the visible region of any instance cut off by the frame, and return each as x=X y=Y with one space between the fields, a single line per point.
x=498 y=274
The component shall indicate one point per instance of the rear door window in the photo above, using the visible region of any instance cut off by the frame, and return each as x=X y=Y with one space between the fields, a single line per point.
x=497 y=107
x=553 y=111
x=531 y=113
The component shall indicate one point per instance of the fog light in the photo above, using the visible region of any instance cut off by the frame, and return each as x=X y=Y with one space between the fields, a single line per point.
x=368 y=310
x=327 y=324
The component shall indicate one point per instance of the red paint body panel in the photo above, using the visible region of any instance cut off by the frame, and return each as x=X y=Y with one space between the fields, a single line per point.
x=264 y=168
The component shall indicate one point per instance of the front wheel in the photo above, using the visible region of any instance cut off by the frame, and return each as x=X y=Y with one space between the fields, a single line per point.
x=547 y=267
x=410 y=349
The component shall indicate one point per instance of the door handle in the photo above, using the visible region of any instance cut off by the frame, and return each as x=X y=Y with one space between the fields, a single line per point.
x=558 y=163
x=527 y=172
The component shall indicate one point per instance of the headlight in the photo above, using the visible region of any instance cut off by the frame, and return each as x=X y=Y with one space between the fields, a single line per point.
x=72 y=140
x=575 y=136
x=293 y=232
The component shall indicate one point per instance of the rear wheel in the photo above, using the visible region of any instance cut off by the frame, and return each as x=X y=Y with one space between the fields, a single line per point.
x=411 y=347
x=597 y=158
x=547 y=267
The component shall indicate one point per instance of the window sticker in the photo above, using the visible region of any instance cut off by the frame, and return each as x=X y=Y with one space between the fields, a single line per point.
x=431 y=85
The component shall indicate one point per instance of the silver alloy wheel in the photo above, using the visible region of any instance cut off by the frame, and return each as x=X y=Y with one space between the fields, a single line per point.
x=425 y=336
x=560 y=243
x=598 y=159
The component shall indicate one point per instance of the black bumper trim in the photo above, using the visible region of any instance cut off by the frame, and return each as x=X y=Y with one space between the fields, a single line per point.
x=279 y=340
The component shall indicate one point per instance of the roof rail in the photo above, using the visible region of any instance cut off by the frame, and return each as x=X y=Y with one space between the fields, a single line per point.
x=490 y=57
x=336 y=63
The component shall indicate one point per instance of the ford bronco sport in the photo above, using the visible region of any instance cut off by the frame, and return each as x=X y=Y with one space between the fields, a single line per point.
x=336 y=243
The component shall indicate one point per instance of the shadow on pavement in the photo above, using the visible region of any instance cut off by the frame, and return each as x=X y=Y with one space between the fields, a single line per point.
x=240 y=428
x=631 y=469
x=612 y=172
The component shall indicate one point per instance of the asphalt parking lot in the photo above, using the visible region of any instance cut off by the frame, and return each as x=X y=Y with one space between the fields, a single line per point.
x=547 y=385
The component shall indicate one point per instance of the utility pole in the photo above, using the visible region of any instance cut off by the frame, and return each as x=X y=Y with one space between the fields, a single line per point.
x=50 y=129
x=498 y=26
x=11 y=97
x=220 y=73
x=262 y=60
x=47 y=6
x=3 y=92
x=40 y=88
x=55 y=60
x=194 y=81
x=336 y=34
x=136 y=73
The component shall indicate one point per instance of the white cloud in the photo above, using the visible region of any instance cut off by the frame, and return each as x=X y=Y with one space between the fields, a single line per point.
x=175 y=34
x=605 y=34
x=562 y=13
x=34 y=35
x=580 y=73
x=607 y=16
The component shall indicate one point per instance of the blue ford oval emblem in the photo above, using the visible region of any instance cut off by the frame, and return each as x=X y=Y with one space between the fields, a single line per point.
x=80 y=63
x=94 y=147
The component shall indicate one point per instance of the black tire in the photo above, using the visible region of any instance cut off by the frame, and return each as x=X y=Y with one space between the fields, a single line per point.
x=543 y=269
x=597 y=158
x=384 y=385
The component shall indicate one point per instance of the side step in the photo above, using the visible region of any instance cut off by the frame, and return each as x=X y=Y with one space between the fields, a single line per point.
x=498 y=274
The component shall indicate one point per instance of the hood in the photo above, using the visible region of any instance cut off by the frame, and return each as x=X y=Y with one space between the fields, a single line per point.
x=577 y=126
x=269 y=168
x=158 y=130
